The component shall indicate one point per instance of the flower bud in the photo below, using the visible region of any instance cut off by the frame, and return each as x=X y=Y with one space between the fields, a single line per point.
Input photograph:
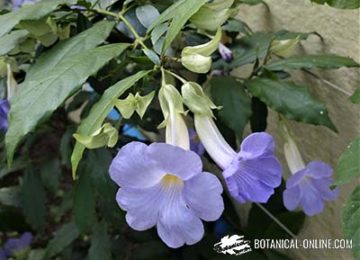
x=284 y=48
x=134 y=103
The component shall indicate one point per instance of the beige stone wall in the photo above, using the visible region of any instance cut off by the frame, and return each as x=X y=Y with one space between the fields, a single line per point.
x=341 y=31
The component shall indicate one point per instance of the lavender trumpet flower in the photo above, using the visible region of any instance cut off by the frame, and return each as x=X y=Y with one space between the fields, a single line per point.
x=4 y=110
x=253 y=173
x=163 y=184
x=309 y=185
x=15 y=246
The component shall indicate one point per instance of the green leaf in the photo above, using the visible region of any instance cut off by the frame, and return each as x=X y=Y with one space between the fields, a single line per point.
x=84 y=202
x=179 y=13
x=147 y=14
x=42 y=96
x=349 y=164
x=99 y=112
x=64 y=237
x=236 y=104
x=351 y=221
x=293 y=101
x=312 y=61
x=50 y=173
x=355 y=98
x=10 y=41
x=33 y=200
x=84 y=41
x=340 y=4
x=246 y=50
x=100 y=243
x=29 y=12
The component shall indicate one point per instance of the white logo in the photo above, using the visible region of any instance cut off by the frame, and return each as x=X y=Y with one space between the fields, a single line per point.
x=233 y=245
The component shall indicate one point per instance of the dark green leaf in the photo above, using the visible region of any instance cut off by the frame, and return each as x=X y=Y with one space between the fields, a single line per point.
x=236 y=104
x=100 y=243
x=351 y=220
x=287 y=35
x=63 y=237
x=341 y=4
x=33 y=200
x=99 y=112
x=84 y=202
x=293 y=101
x=251 y=2
x=50 y=174
x=312 y=61
x=86 y=40
x=246 y=50
x=349 y=164
x=10 y=41
x=234 y=25
x=42 y=96
x=29 y=12
x=355 y=98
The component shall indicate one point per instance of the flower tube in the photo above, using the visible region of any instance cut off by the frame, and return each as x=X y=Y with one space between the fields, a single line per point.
x=309 y=185
x=253 y=173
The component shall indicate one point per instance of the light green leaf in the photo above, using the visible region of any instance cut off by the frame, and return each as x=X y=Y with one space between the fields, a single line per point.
x=107 y=135
x=152 y=56
x=84 y=41
x=293 y=101
x=41 y=29
x=100 y=243
x=33 y=200
x=312 y=61
x=236 y=104
x=349 y=164
x=10 y=41
x=84 y=202
x=146 y=14
x=179 y=13
x=355 y=98
x=99 y=112
x=29 y=12
x=64 y=237
x=351 y=221
x=42 y=96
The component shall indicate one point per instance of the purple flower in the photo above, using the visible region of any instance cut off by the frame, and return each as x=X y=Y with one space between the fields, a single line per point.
x=253 y=173
x=163 y=185
x=195 y=143
x=309 y=188
x=4 y=110
x=15 y=245
x=2 y=254
x=18 y=3
x=225 y=53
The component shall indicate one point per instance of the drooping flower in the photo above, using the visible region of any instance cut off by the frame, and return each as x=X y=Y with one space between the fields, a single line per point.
x=309 y=186
x=163 y=185
x=253 y=173
x=14 y=246
x=2 y=254
x=225 y=53
x=4 y=111
x=195 y=143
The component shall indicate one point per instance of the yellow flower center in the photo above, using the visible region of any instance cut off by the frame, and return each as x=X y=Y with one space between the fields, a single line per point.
x=169 y=180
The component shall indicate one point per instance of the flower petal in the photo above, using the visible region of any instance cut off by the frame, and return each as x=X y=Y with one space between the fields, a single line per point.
x=291 y=198
x=311 y=200
x=178 y=225
x=245 y=187
x=142 y=206
x=175 y=160
x=257 y=144
x=203 y=195
x=295 y=179
x=133 y=168
x=318 y=169
x=322 y=185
